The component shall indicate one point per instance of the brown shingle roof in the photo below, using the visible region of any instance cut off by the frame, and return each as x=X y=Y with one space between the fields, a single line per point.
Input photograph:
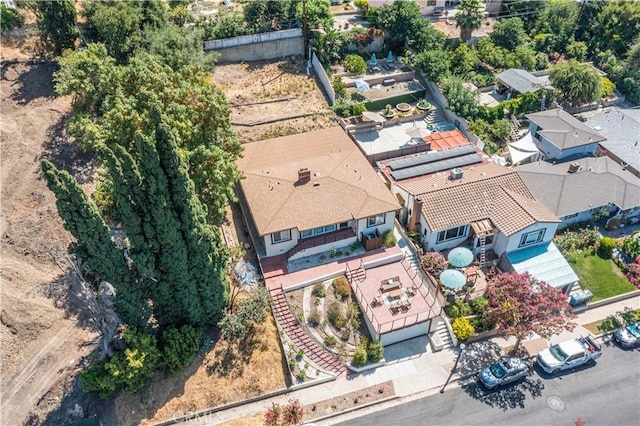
x=487 y=191
x=343 y=185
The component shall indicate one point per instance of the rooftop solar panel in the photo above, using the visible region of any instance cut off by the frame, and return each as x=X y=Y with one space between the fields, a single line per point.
x=404 y=163
x=429 y=168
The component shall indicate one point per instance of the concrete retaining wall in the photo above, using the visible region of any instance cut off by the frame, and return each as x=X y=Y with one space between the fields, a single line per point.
x=323 y=79
x=257 y=47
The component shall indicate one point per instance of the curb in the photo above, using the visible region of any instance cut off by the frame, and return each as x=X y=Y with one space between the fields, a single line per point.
x=353 y=409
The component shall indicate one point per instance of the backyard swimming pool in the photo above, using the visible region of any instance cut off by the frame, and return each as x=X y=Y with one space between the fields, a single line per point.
x=443 y=126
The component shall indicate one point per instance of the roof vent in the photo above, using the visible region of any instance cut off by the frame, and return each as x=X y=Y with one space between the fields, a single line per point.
x=304 y=175
x=456 y=173
x=574 y=167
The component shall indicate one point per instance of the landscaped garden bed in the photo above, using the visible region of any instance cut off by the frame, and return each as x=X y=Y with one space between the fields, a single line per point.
x=599 y=275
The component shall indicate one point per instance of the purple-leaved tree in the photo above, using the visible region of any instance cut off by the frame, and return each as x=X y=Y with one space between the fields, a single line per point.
x=520 y=304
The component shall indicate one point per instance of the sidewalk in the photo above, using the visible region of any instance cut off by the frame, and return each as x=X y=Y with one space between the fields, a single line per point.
x=413 y=368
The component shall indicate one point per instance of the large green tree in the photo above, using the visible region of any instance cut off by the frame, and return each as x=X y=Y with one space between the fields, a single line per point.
x=608 y=25
x=462 y=100
x=469 y=17
x=95 y=247
x=527 y=10
x=170 y=255
x=316 y=13
x=114 y=106
x=435 y=64
x=556 y=24
x=426 y=37
x=399 y=19
x=509 y=33
x=578 y=82
x=57 y=24
x=121 y=25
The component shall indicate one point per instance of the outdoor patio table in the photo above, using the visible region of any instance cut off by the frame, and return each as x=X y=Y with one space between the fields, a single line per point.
x=395 y=294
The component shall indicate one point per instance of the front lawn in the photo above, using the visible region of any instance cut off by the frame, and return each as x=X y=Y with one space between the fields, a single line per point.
x=601 y=276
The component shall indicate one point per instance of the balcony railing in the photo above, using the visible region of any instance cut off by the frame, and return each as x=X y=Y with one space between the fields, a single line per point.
x=320 y=240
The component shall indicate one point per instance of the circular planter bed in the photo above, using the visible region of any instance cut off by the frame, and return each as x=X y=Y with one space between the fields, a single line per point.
x=403 y=107
x=424 y=106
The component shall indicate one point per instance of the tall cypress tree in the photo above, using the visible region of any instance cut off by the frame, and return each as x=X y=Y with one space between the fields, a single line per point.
x=207 y=256
x=94 y=244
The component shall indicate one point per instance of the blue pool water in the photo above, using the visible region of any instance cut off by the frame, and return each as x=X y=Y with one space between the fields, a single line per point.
x=444 y=126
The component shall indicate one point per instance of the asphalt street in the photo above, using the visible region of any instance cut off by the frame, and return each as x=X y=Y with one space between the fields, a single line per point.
x=607 y=393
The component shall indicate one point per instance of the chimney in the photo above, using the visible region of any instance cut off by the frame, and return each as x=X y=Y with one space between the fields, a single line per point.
x=304 y=175
x=414 y=220
x=574 y=167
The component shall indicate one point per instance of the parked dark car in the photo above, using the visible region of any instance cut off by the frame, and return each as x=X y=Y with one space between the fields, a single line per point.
x=504 y=371
x=438 y=11
x=628 y=335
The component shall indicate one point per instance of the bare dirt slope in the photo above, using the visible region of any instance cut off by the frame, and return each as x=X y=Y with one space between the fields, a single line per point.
x=270 y=99
x=41 y=344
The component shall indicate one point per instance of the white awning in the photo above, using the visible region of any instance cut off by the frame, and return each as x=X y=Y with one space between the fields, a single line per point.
x=523 y=149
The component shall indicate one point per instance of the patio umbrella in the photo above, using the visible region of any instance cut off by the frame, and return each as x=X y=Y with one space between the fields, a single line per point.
x=452 y=278
x=374 y=60
x=373 y=116
x=390 y=57
x=418 y=132
x=460 y=257
x=361 y=85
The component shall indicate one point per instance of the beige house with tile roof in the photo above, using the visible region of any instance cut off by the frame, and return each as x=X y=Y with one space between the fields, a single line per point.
x=311 y=192
x=487 y=199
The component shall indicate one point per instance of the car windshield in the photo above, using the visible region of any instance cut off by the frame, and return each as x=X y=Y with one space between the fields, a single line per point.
x=498 y=370
x=634 y=330
x=557 y=353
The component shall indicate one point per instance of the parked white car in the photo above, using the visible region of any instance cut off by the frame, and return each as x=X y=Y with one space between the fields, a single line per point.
x=569 y=354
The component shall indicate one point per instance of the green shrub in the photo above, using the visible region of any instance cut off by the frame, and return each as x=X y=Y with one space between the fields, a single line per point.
x=335 y=316
x=180 y=346
x=9 y=18
x=389 y=239
x=345 y=334
x=463 y=329
x=330 y=341
x=478 y=305
x=607 y=87
x=359 y=357
x=341 y=287
x=301 y=375
x=631 y=245
x=314 y=317
x=339 y=87
x=607 y=244
x=458 y=308
x=375 y=351
x=355 y=64
x=319 y=290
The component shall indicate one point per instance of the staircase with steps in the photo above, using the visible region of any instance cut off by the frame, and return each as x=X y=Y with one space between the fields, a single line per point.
x=286 y=321
x=443 y=333
x=359 y=274
x=436 y=116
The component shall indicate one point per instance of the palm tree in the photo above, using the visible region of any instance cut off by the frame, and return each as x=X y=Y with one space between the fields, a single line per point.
x=469 y=17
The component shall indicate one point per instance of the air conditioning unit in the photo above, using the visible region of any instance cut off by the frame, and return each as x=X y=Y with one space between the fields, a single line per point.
x=456 y=173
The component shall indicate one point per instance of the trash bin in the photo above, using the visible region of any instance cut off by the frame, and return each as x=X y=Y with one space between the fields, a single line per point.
x=580 y=297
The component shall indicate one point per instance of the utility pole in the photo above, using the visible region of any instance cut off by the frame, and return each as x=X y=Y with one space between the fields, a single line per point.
x=305 y=29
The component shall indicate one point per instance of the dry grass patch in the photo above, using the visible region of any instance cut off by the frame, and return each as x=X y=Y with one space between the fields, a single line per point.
x=228 y=373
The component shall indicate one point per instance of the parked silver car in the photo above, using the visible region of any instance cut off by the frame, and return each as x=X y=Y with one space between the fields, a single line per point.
x=503 y=372
x=628 y=335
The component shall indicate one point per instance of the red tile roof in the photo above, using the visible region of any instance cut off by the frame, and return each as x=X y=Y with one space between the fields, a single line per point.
x=444 y=140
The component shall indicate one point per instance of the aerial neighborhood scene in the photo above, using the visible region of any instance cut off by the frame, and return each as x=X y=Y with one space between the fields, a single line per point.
x=320 y=212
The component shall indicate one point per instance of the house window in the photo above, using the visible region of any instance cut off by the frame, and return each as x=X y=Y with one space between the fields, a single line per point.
x=375 y=220
x=279 y=237
x=488 y=239
x=452 y=233
x=431 y=2
x=569 y=216
x=318 y=231
x=343 y=225
x=532 y=238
